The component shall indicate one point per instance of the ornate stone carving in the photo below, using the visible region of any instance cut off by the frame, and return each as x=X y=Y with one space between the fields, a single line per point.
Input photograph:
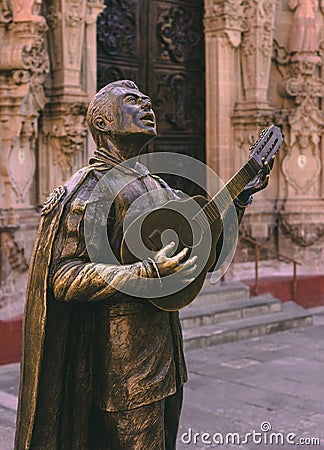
x=257 y=49
x=5 y=12
x=301 y=216
x=93 y=9
x=66 y=132
x=66 y=34
x=280 y=55
x=15 y=253
x=69 y=137
x=302 y=164
x=226 y=17
x=178 y=33
x=26 y=10
x=303 y=36
x=14 y=257
x=74 y=20
x=305 y=234
x=109 y=72
x=35 y=58
x=304 y=84
x=116 y=28
x=173 y=98
x=53 y=17
x=23 y=65
x=21 y=158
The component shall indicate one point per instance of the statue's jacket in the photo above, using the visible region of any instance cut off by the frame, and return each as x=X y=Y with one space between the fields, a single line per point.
x=88 y=346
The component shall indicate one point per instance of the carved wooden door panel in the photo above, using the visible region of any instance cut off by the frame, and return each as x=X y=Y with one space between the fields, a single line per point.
x=159 y=45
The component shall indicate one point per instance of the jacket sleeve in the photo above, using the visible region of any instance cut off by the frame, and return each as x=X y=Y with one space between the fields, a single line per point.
x=80 y=281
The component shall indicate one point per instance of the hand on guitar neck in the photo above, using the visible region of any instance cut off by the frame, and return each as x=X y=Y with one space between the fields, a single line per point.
x=259 y=183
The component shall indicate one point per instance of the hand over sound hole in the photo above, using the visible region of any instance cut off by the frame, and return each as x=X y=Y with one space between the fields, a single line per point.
x=169 y=264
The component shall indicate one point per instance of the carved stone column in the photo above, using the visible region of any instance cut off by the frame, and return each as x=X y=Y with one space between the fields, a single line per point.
x=66 y=36
x=301 y=214
x=23 y=65
x=63 y=143
x=93 y=9
x=223 y=30
x=257 y=51
x=252 y=110
x=71 y=37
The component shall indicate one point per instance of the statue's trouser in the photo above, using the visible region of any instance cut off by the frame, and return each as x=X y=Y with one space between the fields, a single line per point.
x=150 y=427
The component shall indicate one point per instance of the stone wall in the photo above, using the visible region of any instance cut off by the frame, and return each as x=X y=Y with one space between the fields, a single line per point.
x=44 y=91
x=264 y=65
x=258 y=71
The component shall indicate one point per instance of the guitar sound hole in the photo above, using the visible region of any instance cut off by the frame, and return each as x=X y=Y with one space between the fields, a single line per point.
x=168 y=236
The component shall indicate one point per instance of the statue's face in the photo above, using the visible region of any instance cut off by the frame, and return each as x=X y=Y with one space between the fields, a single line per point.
x=133 y=113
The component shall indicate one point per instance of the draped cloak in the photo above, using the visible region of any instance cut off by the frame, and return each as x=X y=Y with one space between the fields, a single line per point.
x=46 y=330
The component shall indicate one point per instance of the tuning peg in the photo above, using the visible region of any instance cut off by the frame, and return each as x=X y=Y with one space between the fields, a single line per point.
x=274 y=156
x=265 y=163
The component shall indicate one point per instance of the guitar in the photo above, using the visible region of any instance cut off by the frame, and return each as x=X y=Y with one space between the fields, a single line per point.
x=196 y=223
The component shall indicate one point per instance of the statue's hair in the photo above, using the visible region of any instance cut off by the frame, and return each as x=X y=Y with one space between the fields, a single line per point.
x=101 y=105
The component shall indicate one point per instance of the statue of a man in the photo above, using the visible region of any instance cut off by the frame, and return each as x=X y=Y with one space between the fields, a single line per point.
x=303 y=36
x=102 y=369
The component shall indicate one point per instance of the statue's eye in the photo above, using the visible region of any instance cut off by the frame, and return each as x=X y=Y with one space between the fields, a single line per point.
x=131 y=100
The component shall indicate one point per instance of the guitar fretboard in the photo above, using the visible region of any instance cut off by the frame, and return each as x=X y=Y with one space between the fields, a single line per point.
x=221 y=201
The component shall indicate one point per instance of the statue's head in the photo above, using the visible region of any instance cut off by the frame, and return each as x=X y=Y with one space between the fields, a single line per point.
x=120 y=111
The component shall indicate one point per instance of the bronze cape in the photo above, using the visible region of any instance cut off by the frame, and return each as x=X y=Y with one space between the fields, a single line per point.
x=46 y=329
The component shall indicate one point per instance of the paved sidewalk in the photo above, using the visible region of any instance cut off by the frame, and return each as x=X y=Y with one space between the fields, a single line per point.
x=274 y=380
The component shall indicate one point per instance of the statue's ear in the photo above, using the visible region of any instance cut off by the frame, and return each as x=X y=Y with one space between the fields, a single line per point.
x=102 y=124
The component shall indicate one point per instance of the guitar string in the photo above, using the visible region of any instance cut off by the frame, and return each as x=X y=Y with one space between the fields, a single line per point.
x=235 y=185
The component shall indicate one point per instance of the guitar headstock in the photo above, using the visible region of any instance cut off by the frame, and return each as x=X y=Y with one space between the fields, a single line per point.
x=265 y=148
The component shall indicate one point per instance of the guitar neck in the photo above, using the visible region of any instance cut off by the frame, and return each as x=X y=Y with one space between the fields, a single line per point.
x=216 y=207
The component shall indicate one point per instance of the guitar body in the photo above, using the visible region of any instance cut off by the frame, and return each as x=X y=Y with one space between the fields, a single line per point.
x=173 y=222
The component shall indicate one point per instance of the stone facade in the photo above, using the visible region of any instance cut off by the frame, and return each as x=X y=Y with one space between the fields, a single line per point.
x=255 y=76
x=264 y=64
x=44 y=92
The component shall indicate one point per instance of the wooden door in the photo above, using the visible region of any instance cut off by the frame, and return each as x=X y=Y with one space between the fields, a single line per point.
x=159 y=45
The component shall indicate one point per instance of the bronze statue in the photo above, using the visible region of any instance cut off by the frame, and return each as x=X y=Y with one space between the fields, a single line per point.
x=102 y=369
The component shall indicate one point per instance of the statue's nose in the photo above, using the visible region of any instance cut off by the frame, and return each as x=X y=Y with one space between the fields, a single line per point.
x=146 y=105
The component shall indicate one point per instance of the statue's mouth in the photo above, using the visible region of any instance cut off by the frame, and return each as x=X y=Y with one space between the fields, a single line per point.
x=148 y=119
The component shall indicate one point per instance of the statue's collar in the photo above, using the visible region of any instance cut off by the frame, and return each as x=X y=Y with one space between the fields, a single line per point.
x=103 y=160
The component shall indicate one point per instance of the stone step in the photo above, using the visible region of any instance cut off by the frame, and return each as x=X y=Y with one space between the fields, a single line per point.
x=197 y=315
x=221 y=292
x=291 y=316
